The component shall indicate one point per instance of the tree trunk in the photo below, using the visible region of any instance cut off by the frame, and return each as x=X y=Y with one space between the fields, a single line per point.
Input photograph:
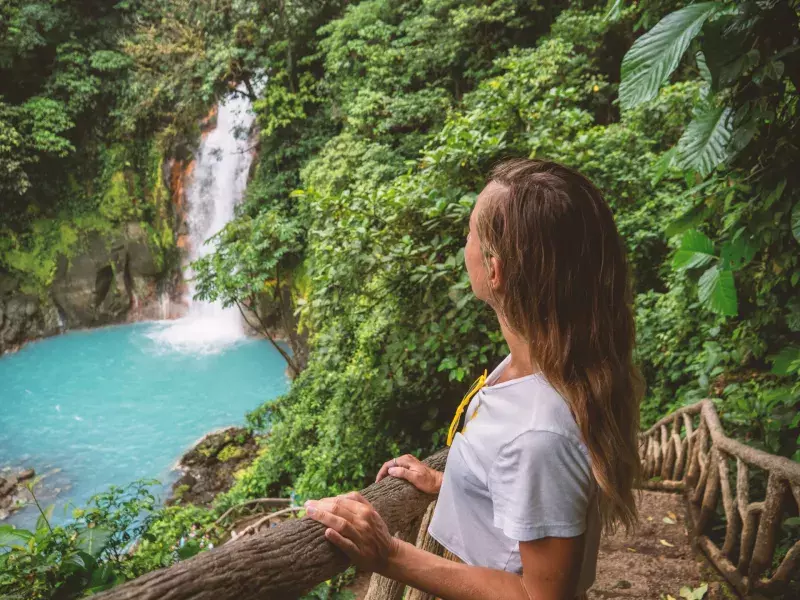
x=283 y=562
x=383 y=588
x=427 y=543
x=265 y=330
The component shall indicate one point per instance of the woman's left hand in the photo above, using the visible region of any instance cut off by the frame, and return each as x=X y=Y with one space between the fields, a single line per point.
x=355 y=527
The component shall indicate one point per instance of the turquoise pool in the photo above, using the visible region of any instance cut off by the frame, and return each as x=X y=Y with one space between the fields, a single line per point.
x=108 y=406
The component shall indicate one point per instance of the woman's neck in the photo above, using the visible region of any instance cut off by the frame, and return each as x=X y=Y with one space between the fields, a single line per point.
x=521 y=363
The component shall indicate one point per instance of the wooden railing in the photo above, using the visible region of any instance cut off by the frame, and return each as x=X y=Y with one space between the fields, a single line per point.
x=279 y=562
x=686 y=451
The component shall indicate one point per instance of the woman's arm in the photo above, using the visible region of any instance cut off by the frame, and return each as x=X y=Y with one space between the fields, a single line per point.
x=451 y=580
x=551 y=566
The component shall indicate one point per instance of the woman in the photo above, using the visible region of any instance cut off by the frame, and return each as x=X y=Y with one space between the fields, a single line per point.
x=549 y=456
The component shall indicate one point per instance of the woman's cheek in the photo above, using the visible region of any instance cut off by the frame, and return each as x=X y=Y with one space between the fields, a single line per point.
x=474 y=270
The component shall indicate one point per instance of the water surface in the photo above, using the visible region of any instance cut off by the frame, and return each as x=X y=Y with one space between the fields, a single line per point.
x=108 y=406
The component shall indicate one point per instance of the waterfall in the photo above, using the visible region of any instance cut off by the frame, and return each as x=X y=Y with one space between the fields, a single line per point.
x=218 y=184
x=163 y=305
x=60 y=318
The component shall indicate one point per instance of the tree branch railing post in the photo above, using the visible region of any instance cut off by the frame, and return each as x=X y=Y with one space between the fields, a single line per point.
x=698 y=461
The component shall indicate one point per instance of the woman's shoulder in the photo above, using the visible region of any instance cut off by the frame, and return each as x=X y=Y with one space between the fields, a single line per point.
x=533 y=405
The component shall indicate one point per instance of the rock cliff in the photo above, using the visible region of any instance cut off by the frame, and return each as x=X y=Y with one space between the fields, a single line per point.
x=112 y=279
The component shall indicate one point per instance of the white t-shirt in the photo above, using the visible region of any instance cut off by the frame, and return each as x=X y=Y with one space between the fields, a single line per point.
x=520 y=471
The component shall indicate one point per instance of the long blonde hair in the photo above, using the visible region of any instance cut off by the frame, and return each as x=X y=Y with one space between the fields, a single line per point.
x=567 y=292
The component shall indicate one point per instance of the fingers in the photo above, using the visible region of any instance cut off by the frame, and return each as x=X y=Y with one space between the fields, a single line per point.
x=358 y=504
x=410 y=469
x=407 y=461
x=384 y=470
x=337 y=539
x=334 y=521
x=412 y=476
x=358 y=498
x=337 y=505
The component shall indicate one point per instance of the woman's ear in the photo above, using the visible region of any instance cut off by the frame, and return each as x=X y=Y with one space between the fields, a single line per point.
x=495 y=276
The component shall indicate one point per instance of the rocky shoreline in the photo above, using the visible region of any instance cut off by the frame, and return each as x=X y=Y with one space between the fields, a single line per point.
x=208 y=469
x=11 y=492
x=209 y=466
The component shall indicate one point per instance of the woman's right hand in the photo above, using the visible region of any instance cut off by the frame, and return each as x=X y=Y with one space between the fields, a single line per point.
x=420 y=475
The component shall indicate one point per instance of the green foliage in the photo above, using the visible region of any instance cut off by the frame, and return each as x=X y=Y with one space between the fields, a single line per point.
x=84 y=556
x=173 y=533
x=765 y=414
x=230 y=452
x=378 y=122
x=332 y=589
x=253 y=253
x=71 y=160
x=748 y=105
x=655 y=55
x=716 y=288
x=696 y=250
x=395 y=332
x=129 y=188
x=704 y=144
x=36 y=254
x=44 y=119
x=61 y=75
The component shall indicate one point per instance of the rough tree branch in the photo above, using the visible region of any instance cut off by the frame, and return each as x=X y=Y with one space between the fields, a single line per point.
x=280 y=563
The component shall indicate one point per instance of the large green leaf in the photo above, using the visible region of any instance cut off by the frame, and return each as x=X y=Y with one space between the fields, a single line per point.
x=614 y=9
x=94 y=540
x=796 y=222
x=655 y=55
x=736 y=254
x=717 y=291
x=696 y=250
x=11 y=536
x=702 y=66
x=704 y=143
x=787 y=361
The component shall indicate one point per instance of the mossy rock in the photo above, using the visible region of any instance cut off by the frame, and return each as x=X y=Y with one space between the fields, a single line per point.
x=179 y=491
x=210 y=467
x=231 y=452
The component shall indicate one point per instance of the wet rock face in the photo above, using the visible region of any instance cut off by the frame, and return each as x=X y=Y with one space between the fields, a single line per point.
x=110 y=278
x=90 y=288
x=24 y=317
x=11 y=492
x=110 y=281
x=209 y=467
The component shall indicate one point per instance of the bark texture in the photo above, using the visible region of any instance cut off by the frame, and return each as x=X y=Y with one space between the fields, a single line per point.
x=281 y=563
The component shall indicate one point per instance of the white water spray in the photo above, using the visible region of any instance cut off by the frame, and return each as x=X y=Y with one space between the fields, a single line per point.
x=218 y=184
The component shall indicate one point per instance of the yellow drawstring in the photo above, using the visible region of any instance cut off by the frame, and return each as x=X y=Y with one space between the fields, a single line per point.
x=464 y=403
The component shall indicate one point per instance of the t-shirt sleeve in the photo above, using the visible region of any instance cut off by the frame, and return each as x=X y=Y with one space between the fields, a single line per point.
x=540 y=485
